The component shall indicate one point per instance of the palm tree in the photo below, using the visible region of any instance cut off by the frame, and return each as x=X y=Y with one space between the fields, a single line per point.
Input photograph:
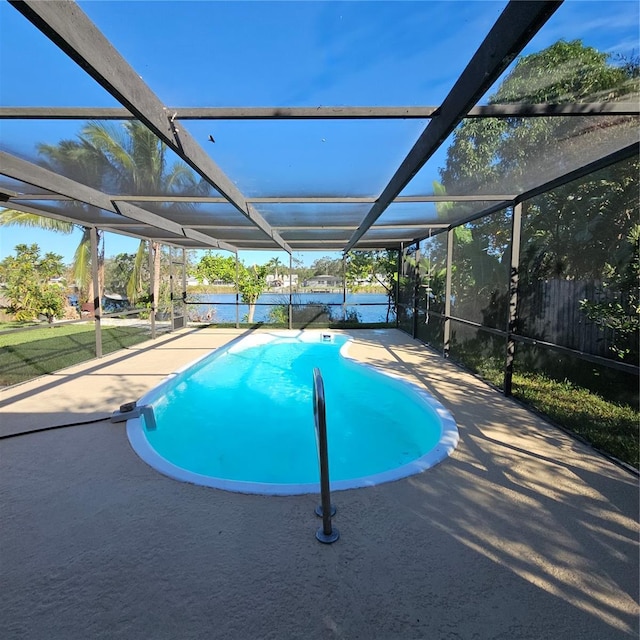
x=273 y=265
x=127 y=159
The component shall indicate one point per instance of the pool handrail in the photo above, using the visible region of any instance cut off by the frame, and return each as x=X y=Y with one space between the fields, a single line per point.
x=327 y=533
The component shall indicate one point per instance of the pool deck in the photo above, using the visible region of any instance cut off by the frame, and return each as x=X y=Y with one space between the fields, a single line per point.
x=523 y=533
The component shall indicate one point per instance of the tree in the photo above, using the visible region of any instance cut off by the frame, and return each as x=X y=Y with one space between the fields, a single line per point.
x=28 y=283
x=380 y=267
x=81 y=268
x=327 y=266
x=621 y=314
x=251 y=281
x=133 y=160
x=491 y=153
x=127 y=158
x=212 y=267
x=273 y=265
x=118 y=272
x=81 y=161
x=569 y=232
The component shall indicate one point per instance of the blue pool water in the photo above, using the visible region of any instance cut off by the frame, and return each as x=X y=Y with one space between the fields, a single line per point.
x=242 y=419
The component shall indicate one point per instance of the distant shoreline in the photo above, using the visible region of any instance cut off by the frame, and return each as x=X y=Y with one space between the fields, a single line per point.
x=195 y=289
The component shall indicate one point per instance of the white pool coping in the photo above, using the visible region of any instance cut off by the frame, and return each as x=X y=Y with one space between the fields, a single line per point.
x=448 y=441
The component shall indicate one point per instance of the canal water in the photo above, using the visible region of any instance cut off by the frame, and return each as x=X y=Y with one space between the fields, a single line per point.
x=220 y=307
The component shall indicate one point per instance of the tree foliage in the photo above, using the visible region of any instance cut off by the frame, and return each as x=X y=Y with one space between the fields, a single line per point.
x=116 y=158
x=620 y=315
x=118 y=272
x=251 y=280
x=490 y=155
x=273 y=265
x=374 y=267
x=327 y=266
x=500 y=154
x=576 y=231
x=27 y=277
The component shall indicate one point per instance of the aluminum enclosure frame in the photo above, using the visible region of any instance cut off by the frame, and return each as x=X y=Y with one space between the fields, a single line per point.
x=69 y=28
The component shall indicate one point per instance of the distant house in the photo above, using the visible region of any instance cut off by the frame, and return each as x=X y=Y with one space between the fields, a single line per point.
x=371 y=279
x=282 y=280
x=192 y=281
x=323 y=281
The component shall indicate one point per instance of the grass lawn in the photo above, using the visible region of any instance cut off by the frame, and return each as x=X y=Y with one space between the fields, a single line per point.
x=610 y=427
x=28 y=354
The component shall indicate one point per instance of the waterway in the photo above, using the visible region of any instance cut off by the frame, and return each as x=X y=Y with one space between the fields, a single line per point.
x=220 y=307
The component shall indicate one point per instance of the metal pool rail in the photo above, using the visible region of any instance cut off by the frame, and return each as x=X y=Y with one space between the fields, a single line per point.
x=326 y=533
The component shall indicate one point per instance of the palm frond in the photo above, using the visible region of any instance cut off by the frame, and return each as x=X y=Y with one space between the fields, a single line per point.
x=11 y=217
x=114 y=145
x=82 y=261
x=134 y=286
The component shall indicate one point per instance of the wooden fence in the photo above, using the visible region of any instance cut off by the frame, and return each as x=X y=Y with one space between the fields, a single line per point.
x=550 y=311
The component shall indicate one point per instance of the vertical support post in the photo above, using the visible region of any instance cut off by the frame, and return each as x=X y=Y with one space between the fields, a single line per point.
x=152 y=287
x=516 y=230
x=416 y=289
x=97 y=293
x=171 y=289
x=237 y=294
x=290 y=291
x=185 y=315
x=446 y=338
x=326 y=533
x=397 y=287
x=344 y=286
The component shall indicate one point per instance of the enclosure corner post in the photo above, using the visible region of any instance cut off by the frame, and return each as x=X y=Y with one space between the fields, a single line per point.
x=182 y=320
x=416 y=289
x=398 y=275
x=446 y=331
x=237 y=293
x=516 y=228
x=344 y=286
x=290 y=291
x=97 y=292
x=152 y=286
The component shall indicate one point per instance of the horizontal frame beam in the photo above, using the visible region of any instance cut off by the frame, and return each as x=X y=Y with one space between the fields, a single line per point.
x=512 y=110
x=535 y=342
x=277 y=199
x=35 y=175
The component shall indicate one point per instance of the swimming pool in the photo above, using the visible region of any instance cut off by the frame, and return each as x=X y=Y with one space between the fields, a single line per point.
x=241 y=419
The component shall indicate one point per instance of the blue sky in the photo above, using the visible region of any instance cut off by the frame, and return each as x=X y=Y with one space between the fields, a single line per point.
x=206 y=53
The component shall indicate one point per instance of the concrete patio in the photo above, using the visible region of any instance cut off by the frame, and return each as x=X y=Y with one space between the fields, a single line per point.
x=523 y=533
